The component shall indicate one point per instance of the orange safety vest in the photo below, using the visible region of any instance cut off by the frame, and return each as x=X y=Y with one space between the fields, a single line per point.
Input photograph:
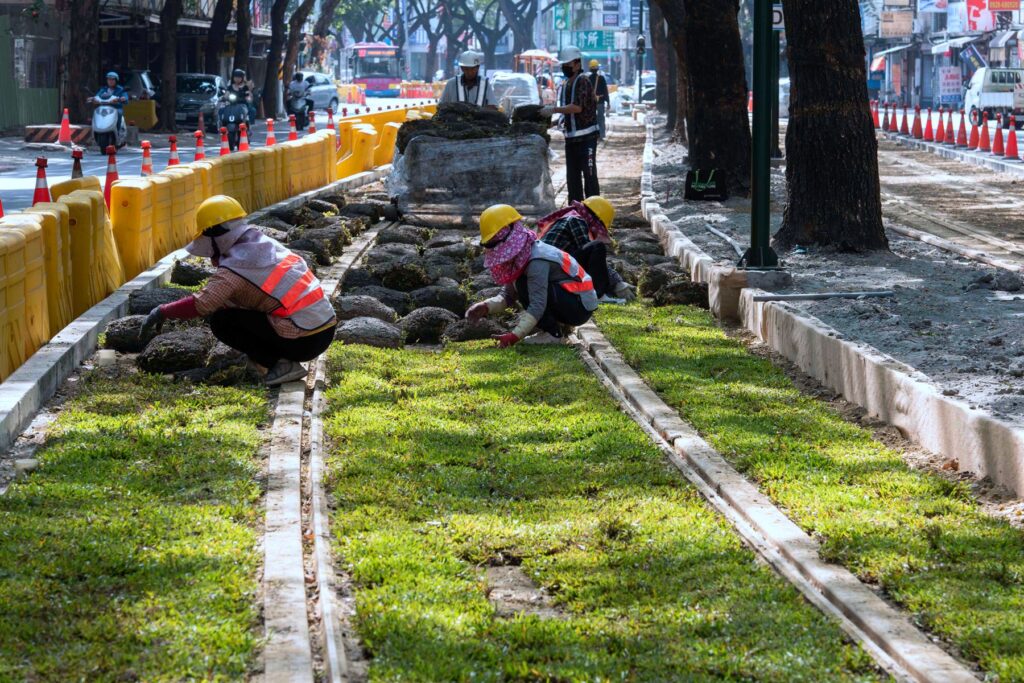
x=580 y=283
x=293 y=284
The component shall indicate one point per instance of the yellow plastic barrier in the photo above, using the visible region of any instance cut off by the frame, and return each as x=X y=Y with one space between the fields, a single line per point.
x=183 y=204
x=83 y=256
x=264 y=177
x=64 y=187
x=345 y=135
x=385 y=150
x=110 y=272
x=364 y=140
x=57 y=240
x=131 y=213
x=141 y=112
x=162 y=211
x=12 y=300
x=36 y=330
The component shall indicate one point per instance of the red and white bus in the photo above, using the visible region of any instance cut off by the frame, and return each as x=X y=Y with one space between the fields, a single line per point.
x=378 y=67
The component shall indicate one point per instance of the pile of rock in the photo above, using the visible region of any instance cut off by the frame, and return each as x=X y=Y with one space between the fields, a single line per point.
x=458 y=121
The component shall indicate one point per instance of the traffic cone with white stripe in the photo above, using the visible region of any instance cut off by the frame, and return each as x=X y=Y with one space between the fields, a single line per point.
x=312 y=123
x=1011 y=141
x=224 y=149
x=983 y=143
x=200 y=145
x=42 y=193
x=271 y=138
x=961 y=134
x=111 y=173
x=874 y=112
x=331 y=126
x=243 y=142
x=173 y=159
x=997 y=142
x=292 y=133
x=76 y=166
x=940 y=130
x=929 y=135
x=147 y=159
x=950 y=131
x=917 y=131
x=905 y=125
x=64 y=136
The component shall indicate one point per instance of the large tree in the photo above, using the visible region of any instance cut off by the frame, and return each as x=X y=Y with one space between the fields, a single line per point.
x=83 y=57
x=278 y=31
x=215 y=36
x=521 y=17
x=243 y=35
x=485 y=20
x=169 y=16
x=295 y=24
x=831 y=151
x=321 y=29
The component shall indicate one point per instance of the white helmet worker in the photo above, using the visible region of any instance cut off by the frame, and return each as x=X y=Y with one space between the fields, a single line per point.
x=569 y=54
x=469 y=59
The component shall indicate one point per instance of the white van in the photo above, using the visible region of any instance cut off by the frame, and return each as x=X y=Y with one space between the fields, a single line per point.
x=992 y=91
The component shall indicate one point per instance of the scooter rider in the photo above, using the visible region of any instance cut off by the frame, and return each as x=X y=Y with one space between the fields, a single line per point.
x=112 y=89
x=241 y=89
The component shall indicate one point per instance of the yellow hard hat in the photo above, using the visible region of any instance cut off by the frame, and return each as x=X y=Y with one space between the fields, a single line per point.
x=594 y=64
x=494 y=218
x=218 y=209
x=602 y=208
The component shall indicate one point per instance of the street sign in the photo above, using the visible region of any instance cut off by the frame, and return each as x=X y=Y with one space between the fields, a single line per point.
x=635 y=9
x=611 y=19
x=561 y=17
x=778 y=18
x=594 y=41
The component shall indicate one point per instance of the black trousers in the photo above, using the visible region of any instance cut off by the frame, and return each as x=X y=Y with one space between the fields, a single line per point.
x=563 y=308
x=251 y=333
x=593 y=258
x=581 y=167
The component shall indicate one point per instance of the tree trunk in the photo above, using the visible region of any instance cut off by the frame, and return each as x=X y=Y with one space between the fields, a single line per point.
x=277 y=35
x=323 y=24
x=719 y=130
x=169 y=16
x=680 y=100
x=520 y=16
x=295 y=23
x=215 y=36
x=243 y=35
x=659 y=53
x=831 y=151
x=431 y=57
x=83 y=58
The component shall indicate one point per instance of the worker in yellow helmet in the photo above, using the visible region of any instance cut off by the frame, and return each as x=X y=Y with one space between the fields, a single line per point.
x=263 y=300
x=552 y=287
x=582 y=229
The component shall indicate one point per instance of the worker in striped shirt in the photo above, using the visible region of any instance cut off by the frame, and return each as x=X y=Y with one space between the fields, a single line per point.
x=263 y=300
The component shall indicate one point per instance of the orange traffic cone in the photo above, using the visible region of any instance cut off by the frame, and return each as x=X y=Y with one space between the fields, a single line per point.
x=750 y=101
x=929 y=135
x=950 y=131
x=271 y=138
x=111 y=173
x=64 y=136
x=42 y=193
x=997 y=142
x=1 y=209
x=330 y=117
x=894 y=124
x=243 y=142
x=292 y=133
x=983 y=143
x=224 y=149
x=76 y=166
x=1011 y=141
x=312 y=123
x=173 y=159
x=147 y=159
x=940 y=130
x=885 y=120
x=874 y=113
x=200 y=146
x=905 y=124
x=961 y=134
x=973 y=140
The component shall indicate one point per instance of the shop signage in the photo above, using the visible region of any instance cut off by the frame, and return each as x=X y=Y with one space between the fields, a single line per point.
x=896 y=24
x=1004 y=5
x=972 y=58
x=933 y=6
x=950 y=84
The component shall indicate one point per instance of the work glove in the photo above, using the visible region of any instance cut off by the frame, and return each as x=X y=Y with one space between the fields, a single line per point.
x=477 y=311
x=547 y=110
x=506 y=340
x=154 y=323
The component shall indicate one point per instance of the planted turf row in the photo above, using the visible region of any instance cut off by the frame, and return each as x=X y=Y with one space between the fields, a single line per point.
x=131 y=554
x=444 y=463
x=917 y=535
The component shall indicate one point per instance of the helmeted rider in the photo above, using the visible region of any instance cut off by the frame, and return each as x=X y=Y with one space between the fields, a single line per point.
x=241 y=89
x=553 y=288
x=469 y=87
x=113 y=90
x=263 y=299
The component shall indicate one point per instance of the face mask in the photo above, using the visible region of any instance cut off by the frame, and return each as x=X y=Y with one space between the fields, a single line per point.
x=568 y=70
x=593 y=71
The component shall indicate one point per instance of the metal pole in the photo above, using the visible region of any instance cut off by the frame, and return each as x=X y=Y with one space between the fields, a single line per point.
x=776 y=44
x=760 y=255
x=640 y=59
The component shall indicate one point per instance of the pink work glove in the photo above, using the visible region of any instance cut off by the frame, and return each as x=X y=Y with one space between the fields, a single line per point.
x=506 y=340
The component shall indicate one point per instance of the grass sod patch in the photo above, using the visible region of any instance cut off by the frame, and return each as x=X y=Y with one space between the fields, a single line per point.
x=959 y=572
x=444 y=462
x=131 y=554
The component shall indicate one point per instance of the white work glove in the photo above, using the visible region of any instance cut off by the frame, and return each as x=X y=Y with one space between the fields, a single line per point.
x=478 y=311
x=547 y=110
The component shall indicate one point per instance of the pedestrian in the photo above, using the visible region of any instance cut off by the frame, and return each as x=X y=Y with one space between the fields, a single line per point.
x=582 y=228
x=578 y=107
x=552 y=288
x=600 y=85
x=469 y=87
x=263 y=300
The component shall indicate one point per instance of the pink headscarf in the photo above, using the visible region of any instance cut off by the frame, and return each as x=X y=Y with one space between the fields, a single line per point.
x=507 y=260
x=578 y=210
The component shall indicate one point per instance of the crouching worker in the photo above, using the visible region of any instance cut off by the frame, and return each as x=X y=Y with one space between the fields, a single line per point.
x=262 y=300
x=550 y=285
x=584 y=227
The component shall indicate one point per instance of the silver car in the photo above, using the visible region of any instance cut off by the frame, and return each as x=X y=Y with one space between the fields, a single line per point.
x=321 y=89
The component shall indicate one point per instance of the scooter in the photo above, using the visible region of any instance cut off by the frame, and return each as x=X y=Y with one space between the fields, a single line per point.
x=108 y=126
x=299 y=105
x=234 y=113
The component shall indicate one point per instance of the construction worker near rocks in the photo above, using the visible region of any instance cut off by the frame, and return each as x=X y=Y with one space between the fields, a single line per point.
x=578 y=106
x=263 y=300
x=600 y=85
x=469 y=87
x=554 y=289
x=582 y=230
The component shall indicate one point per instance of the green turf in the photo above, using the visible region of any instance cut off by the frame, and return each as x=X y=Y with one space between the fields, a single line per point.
x=131 y=554
x=919 y=536
x=443 y=463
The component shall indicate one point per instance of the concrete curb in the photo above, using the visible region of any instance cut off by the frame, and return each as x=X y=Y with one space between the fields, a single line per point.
x=966 y=156
x=895 y=392
x=884 y=631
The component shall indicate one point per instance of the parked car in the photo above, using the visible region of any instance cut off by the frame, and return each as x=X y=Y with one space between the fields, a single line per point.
x=512 y=90
x=322 y=90
x=993 y=91
x=198 y=93
x=140 y=84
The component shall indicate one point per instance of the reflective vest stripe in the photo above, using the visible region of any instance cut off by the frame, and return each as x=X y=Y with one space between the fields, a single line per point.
x=575 y=271
x=481 y=90
x=305 y=301
x=297 y=290
x=278 y=273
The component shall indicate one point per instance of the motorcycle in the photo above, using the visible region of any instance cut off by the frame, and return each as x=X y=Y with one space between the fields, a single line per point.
x=299 y=105
x=108 y=126
x=233 y=113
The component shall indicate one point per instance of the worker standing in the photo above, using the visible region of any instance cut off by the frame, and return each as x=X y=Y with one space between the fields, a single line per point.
x=600 y=85
x=578 y=106
x=469 y=87
x=263 y=300
x=550 y=285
